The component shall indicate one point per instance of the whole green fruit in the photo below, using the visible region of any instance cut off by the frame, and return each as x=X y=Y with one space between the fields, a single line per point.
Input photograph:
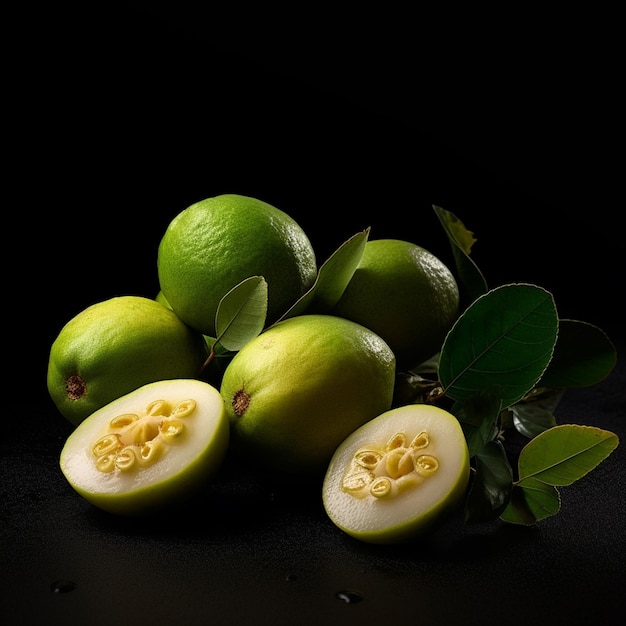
x=406 y=295
x=115 y=346
x=294 y=392
x=214 y=244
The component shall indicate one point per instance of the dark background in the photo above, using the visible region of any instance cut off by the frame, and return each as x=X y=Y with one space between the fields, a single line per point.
x=344 y=122
x=117 y=119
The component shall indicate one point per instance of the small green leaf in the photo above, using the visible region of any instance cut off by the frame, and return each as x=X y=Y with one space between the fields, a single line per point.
x=502 y=343
x=531 y=502
x=337 y=271
x=491 y=484
x=583 y=356
x=241 y=313
x=462 y=240
x=531 y=418
x=332 y=278
x=563 y=454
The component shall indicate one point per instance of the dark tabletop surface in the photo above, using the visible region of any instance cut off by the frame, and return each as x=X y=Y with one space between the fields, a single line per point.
x=121 y=120
x=253 y=552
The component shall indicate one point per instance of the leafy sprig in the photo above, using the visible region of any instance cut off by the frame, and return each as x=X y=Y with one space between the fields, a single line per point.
x=503 y=368
x=510 y=347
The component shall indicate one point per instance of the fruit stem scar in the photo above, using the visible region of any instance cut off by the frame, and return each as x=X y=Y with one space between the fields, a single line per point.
x=240 y=402
x=75 y=387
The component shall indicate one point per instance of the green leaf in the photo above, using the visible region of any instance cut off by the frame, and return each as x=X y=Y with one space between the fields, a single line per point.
x=557 y=457
x=531 y=502
x=563 y=454
x=478 y=416
x=215 y=346
x=462 y=240
x=531 y=419
x=332 y=278
x=337 y=271
x=241 y=313
x=491 y=484
x=502 y=343
x=583 y=356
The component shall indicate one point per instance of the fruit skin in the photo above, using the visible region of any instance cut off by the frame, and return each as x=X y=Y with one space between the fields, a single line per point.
x=115 y=346
x=175 y=476
x=162 y=299
x=405 y=516
x=406 y=295
x=215 y=369
x=310 y=380
x=214 y=244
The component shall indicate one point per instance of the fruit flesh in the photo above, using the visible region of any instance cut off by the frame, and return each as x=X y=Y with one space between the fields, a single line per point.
x=394 y=477
x=386 y=471
x=149 y=448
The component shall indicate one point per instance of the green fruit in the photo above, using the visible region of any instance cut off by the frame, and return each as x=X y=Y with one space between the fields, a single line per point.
x=216 y=243
x=162 y=299
x=212 y=373
x=298 y=389
x=115 y=346
x=406 y=295
x=149 y=449
x=398 y=475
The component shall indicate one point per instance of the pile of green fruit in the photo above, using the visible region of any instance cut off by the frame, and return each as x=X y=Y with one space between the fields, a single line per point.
x=381 y=373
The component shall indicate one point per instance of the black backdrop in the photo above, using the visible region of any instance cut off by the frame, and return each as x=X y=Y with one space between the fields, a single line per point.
x=118 y=119
x=133 y=115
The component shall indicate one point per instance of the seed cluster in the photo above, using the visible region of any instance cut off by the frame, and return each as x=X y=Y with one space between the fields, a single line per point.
x=396 y=467
x=134 y=441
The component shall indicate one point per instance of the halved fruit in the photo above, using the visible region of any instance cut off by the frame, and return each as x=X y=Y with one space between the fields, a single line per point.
x=148 y=449
x=398 y=475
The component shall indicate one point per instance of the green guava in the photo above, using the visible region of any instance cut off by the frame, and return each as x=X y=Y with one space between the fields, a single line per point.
x=115 y=346
x=216 y=243
x=398 y=475
x=156 y=446
x=406 y=295
x=298 y=389
x=214 y=369
x=162 y=299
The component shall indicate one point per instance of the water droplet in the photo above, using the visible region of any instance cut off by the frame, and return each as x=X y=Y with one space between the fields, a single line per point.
x=349 y=596
x=62 y=586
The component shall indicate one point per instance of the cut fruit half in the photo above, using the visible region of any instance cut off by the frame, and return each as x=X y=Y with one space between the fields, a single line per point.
x=154 y=446
x=397 y=475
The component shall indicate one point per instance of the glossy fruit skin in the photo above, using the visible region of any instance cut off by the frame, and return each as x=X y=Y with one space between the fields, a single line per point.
x=406 y=295
x=310 y=381
x=116 y=346
x=175 y=477
x=408 y=515
x=216 y=243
